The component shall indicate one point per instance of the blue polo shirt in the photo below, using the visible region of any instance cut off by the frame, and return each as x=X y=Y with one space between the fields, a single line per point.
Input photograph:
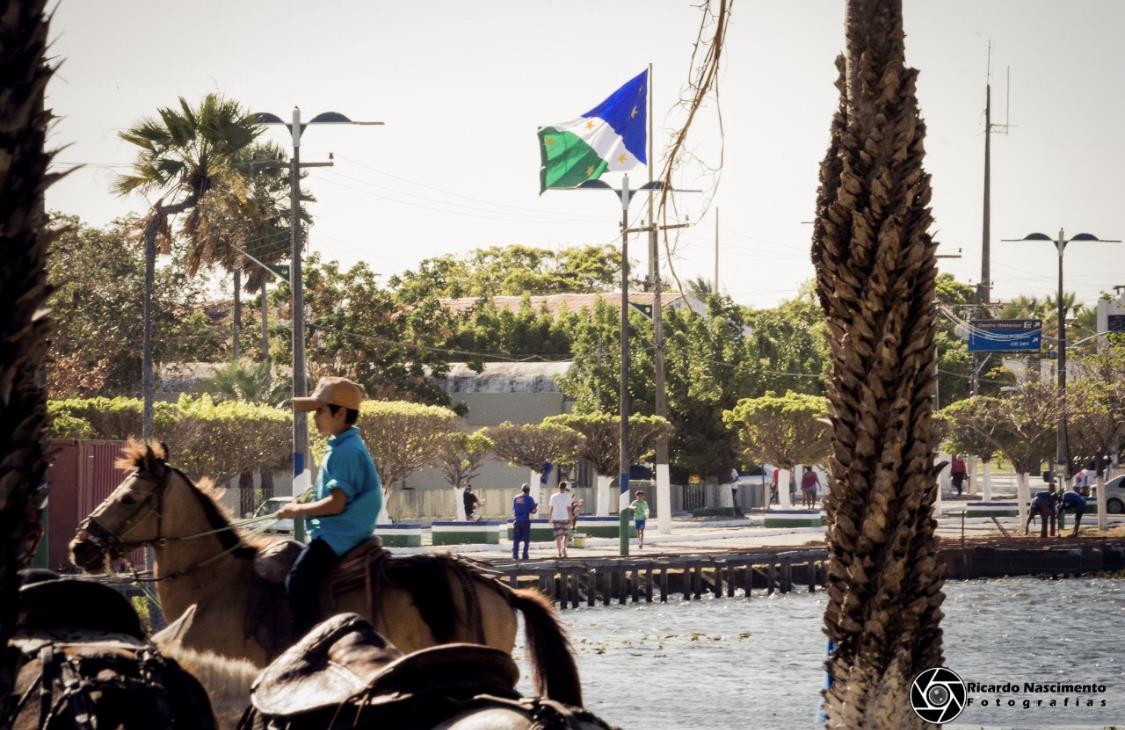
x=1073 y=500
x=522 y=507
x=348 y=467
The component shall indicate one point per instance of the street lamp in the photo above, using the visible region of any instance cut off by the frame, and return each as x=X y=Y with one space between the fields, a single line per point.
x=1061 y=455
x=300 y=386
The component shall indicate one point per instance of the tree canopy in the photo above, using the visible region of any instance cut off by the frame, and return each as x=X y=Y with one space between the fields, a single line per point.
x=784 y=430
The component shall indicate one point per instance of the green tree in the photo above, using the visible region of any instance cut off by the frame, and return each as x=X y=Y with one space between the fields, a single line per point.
x=790 y=343
x=532 y=445
x=784 y=430
x=512 y=270
x=403 y=438
x=969 y=427
x=601 y=444
x=183 y=155
x=97 y=275
x=460 y=459
x=360 y=331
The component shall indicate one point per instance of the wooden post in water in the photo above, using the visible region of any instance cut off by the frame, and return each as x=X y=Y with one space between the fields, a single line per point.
x=664 y=584
x=634 y=582
x=770 y=578
x=623 y=586
x=687 y=581
x=648 y=583
x=717 y=589
x=591 y=586
x=732 y=570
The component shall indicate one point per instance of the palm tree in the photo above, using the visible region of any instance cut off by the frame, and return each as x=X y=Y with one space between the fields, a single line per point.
x=185 y=155
x=24 y=237
x=700 y=288
x=875 y=273
x=251 y=217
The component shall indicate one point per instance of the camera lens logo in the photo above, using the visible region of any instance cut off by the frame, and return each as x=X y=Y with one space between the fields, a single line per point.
x=937 y=695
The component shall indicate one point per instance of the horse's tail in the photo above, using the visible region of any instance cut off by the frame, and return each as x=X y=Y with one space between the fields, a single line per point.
x=552 y=658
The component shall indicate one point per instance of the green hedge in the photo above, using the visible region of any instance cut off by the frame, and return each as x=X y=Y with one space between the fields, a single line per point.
x=219 y=440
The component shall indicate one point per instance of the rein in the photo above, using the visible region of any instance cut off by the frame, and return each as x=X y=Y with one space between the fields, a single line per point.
x=107 y=539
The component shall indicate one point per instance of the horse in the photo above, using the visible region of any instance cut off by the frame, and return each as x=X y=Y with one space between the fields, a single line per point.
x=85 y=663
x=201 y=559
x=345 y=675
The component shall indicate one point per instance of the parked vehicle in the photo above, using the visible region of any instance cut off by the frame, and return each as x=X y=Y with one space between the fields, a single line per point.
x=1115 y=495
x=271 y=505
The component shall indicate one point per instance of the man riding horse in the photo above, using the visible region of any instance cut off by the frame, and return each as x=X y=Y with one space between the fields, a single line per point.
x=348 y=497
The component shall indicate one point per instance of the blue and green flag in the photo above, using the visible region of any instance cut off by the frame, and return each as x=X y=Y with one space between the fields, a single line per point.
x=611 y=136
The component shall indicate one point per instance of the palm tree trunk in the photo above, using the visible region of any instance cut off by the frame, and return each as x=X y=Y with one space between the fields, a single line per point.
x=875 y=280
x=266 y=335
x=24 y=237
x=151 y=228
x=237 y=315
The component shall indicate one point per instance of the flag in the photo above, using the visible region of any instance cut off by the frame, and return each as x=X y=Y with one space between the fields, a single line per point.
x=611 y=136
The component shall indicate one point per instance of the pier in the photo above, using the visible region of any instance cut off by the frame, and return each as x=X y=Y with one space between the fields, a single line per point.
x=574 y=582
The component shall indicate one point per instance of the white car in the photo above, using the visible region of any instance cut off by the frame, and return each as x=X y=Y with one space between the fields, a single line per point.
x=1115 y=495
x=271 y=505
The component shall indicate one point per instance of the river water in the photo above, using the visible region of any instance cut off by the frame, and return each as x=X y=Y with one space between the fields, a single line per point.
x=733 y=663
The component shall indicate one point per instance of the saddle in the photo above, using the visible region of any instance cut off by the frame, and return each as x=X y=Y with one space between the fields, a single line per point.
x=86 y=664
x=269 y=619
x=345 y=675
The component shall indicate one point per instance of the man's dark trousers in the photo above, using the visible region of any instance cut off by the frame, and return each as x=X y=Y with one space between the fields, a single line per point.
x=304 y=581
x=521 y=532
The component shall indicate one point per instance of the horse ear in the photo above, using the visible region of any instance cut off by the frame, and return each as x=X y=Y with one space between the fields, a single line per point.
x=149 y=460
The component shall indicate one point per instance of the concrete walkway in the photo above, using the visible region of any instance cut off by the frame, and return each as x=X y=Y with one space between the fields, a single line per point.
x=701 y=536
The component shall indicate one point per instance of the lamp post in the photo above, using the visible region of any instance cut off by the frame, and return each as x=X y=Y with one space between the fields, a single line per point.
x=300 y=386
x=1061 y=455
x=625 y=194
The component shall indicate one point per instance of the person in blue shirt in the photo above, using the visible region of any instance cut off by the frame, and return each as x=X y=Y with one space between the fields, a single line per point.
x=1073 y=501
x=523 y=507
x=348 y=498
x=1044 y=506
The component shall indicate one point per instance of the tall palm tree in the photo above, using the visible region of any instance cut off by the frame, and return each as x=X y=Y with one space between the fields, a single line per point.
x=875 y=273
x=24 y=237
x=185 y=154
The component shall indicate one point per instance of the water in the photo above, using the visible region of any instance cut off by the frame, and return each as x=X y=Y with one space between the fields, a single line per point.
x=729 y=663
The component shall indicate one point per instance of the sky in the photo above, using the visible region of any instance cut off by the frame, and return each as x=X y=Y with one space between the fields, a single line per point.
x=462 y=88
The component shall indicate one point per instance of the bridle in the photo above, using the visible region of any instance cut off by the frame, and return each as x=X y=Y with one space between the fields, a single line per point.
x=110 y=542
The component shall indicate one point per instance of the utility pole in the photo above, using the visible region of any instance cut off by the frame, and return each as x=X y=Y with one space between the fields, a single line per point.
x=663 y=475
x=716 y=280
x=984 y=288
x=301 y=478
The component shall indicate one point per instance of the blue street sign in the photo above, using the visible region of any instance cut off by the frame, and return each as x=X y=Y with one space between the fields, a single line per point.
x=1005 y=335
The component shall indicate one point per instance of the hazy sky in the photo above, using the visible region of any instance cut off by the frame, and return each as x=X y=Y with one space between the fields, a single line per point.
x=462 y=87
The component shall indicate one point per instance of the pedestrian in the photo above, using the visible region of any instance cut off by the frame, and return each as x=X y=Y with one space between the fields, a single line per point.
x=561 y=507
x=1082 y=481
x=809 y=483
x=1045 y=507
x=640 y=516
x=348 y=497
x=1073 y=501
x=471 y=503
x=523 y=507
x=958 y=472
x=734 y=490
x=773 y=487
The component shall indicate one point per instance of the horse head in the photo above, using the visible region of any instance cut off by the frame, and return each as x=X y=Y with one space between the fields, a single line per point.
x=132 y=514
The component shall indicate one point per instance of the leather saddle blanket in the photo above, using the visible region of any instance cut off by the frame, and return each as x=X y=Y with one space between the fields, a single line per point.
x=269 y=619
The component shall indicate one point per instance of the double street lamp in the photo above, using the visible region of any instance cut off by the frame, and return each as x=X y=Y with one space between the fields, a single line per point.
x=300 y=384
x=1061 y=451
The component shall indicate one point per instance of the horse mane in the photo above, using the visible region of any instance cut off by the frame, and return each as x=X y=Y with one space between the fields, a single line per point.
x=141 y=455
x=226 y=679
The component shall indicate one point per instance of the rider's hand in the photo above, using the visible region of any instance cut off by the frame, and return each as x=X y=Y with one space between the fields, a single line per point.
x=289 y=510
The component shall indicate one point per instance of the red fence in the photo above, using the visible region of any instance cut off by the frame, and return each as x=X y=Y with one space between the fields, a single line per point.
x=80 y=477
